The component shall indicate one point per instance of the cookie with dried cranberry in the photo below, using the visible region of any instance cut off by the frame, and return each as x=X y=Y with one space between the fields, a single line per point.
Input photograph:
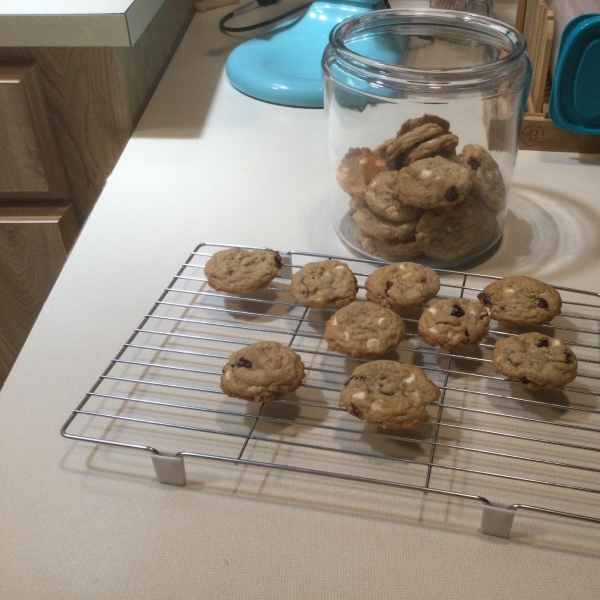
x=451 y=234
x=443 y=145
x=402 y=285
x=358 y=167
x=388 y=249
x=262 y=372
x=390 y=394
x=373 y=226
x=536 y=360
x=521 y=301
x=382 y=199
x=454 y=323
x=324 y=282
x=363 y=329
x=488 y=183
x=238 y=271
x=433 y=183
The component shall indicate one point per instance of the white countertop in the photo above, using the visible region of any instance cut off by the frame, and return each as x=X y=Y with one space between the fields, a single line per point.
x=73 y=22
x=209 y=164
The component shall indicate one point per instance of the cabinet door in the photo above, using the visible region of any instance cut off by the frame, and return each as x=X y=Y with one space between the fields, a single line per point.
x=30 y=165
x=34 y=243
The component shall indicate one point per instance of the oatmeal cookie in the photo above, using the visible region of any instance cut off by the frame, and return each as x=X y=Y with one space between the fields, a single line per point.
x=388 y=249
x=536 y=360
x=238 y=271
x=454 y=323
x=443 y=145
x=373 y=226
x=521 y=301
x=488 y=184
x=262 y=372
x=357 y=169
x=407 y=140
x=382 y=199
x=465 y=230
x=363 y=329
x=402 y=285
x=318 y=284
x=433 y=183
x=390 y=394
x=411 y=124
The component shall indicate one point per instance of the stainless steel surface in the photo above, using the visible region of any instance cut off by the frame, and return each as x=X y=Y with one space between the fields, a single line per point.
x=492 y=439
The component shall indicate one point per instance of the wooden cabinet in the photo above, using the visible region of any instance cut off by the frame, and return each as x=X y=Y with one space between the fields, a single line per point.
x=66 y=115
x=34 y=243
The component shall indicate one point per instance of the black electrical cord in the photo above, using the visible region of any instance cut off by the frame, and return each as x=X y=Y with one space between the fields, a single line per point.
x=276 y=19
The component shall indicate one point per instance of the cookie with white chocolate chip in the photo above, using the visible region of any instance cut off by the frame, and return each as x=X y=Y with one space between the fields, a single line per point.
x=390 y=394
x=521 y=300
x=357 y=169
x=536 y=360
x=324 y=282
x=402 y=285
x=363 y=329
x=433 y=183
x=454 y=323
x=239 y=271
x=262 y=372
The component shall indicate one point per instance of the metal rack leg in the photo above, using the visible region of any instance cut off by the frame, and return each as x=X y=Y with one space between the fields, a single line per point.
x=497 y=519
x=169 y=468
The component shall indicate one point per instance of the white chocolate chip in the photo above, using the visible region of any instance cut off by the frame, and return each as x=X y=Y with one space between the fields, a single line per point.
x=359 y=396
x=433 y=330
x=334 y=322
x=433 y=311
x=252 y=389
x=555 y=342
x=373 y=344
x=346 y=335
x=402 y=266
x=228 y=375
x=380 y=320
x=340 y=268
x=410 y=379
x=426 y=174
x=509 y=291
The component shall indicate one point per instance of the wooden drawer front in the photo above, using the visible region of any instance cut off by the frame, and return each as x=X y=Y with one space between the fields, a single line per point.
x=30 y=165
x=34 y=243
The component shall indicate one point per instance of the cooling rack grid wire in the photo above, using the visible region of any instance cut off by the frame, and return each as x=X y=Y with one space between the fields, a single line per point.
x=161 y=394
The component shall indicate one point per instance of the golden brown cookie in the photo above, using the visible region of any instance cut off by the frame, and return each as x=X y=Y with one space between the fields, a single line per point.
x=402 y=285
x=388 y=249
x=363 y=329
x=443 y=145
x=451 y=234
x=238 y=271
x=521 y=301
x=382 y=199
x=433 y=183
x=488 y=184
x=318 y=284
x=407 y=140
x=262 y=372
x=454 y=323
x=536 y=360
x=357 y=169
x=390 y=394
x=373 y=226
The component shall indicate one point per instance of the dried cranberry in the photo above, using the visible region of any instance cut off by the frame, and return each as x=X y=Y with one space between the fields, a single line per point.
x=467 y=334
x=452 y=194
x=388 y=285
x=457 y=311
x=484 y=298
x=244 y=362
x=473 y=163
x=278 y=262
x=542 y=303
x=543 y=343
x=524 y=380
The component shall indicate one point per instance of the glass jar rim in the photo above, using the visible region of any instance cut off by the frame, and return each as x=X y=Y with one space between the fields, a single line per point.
x=345 y=32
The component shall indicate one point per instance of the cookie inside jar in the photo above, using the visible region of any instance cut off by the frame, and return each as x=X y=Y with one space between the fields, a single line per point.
x=423 y=112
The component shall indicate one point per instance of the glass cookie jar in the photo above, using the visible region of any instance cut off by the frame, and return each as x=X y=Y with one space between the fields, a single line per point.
x=424 y=110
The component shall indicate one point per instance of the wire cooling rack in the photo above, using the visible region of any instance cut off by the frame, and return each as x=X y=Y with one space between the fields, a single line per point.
x=491 y=441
